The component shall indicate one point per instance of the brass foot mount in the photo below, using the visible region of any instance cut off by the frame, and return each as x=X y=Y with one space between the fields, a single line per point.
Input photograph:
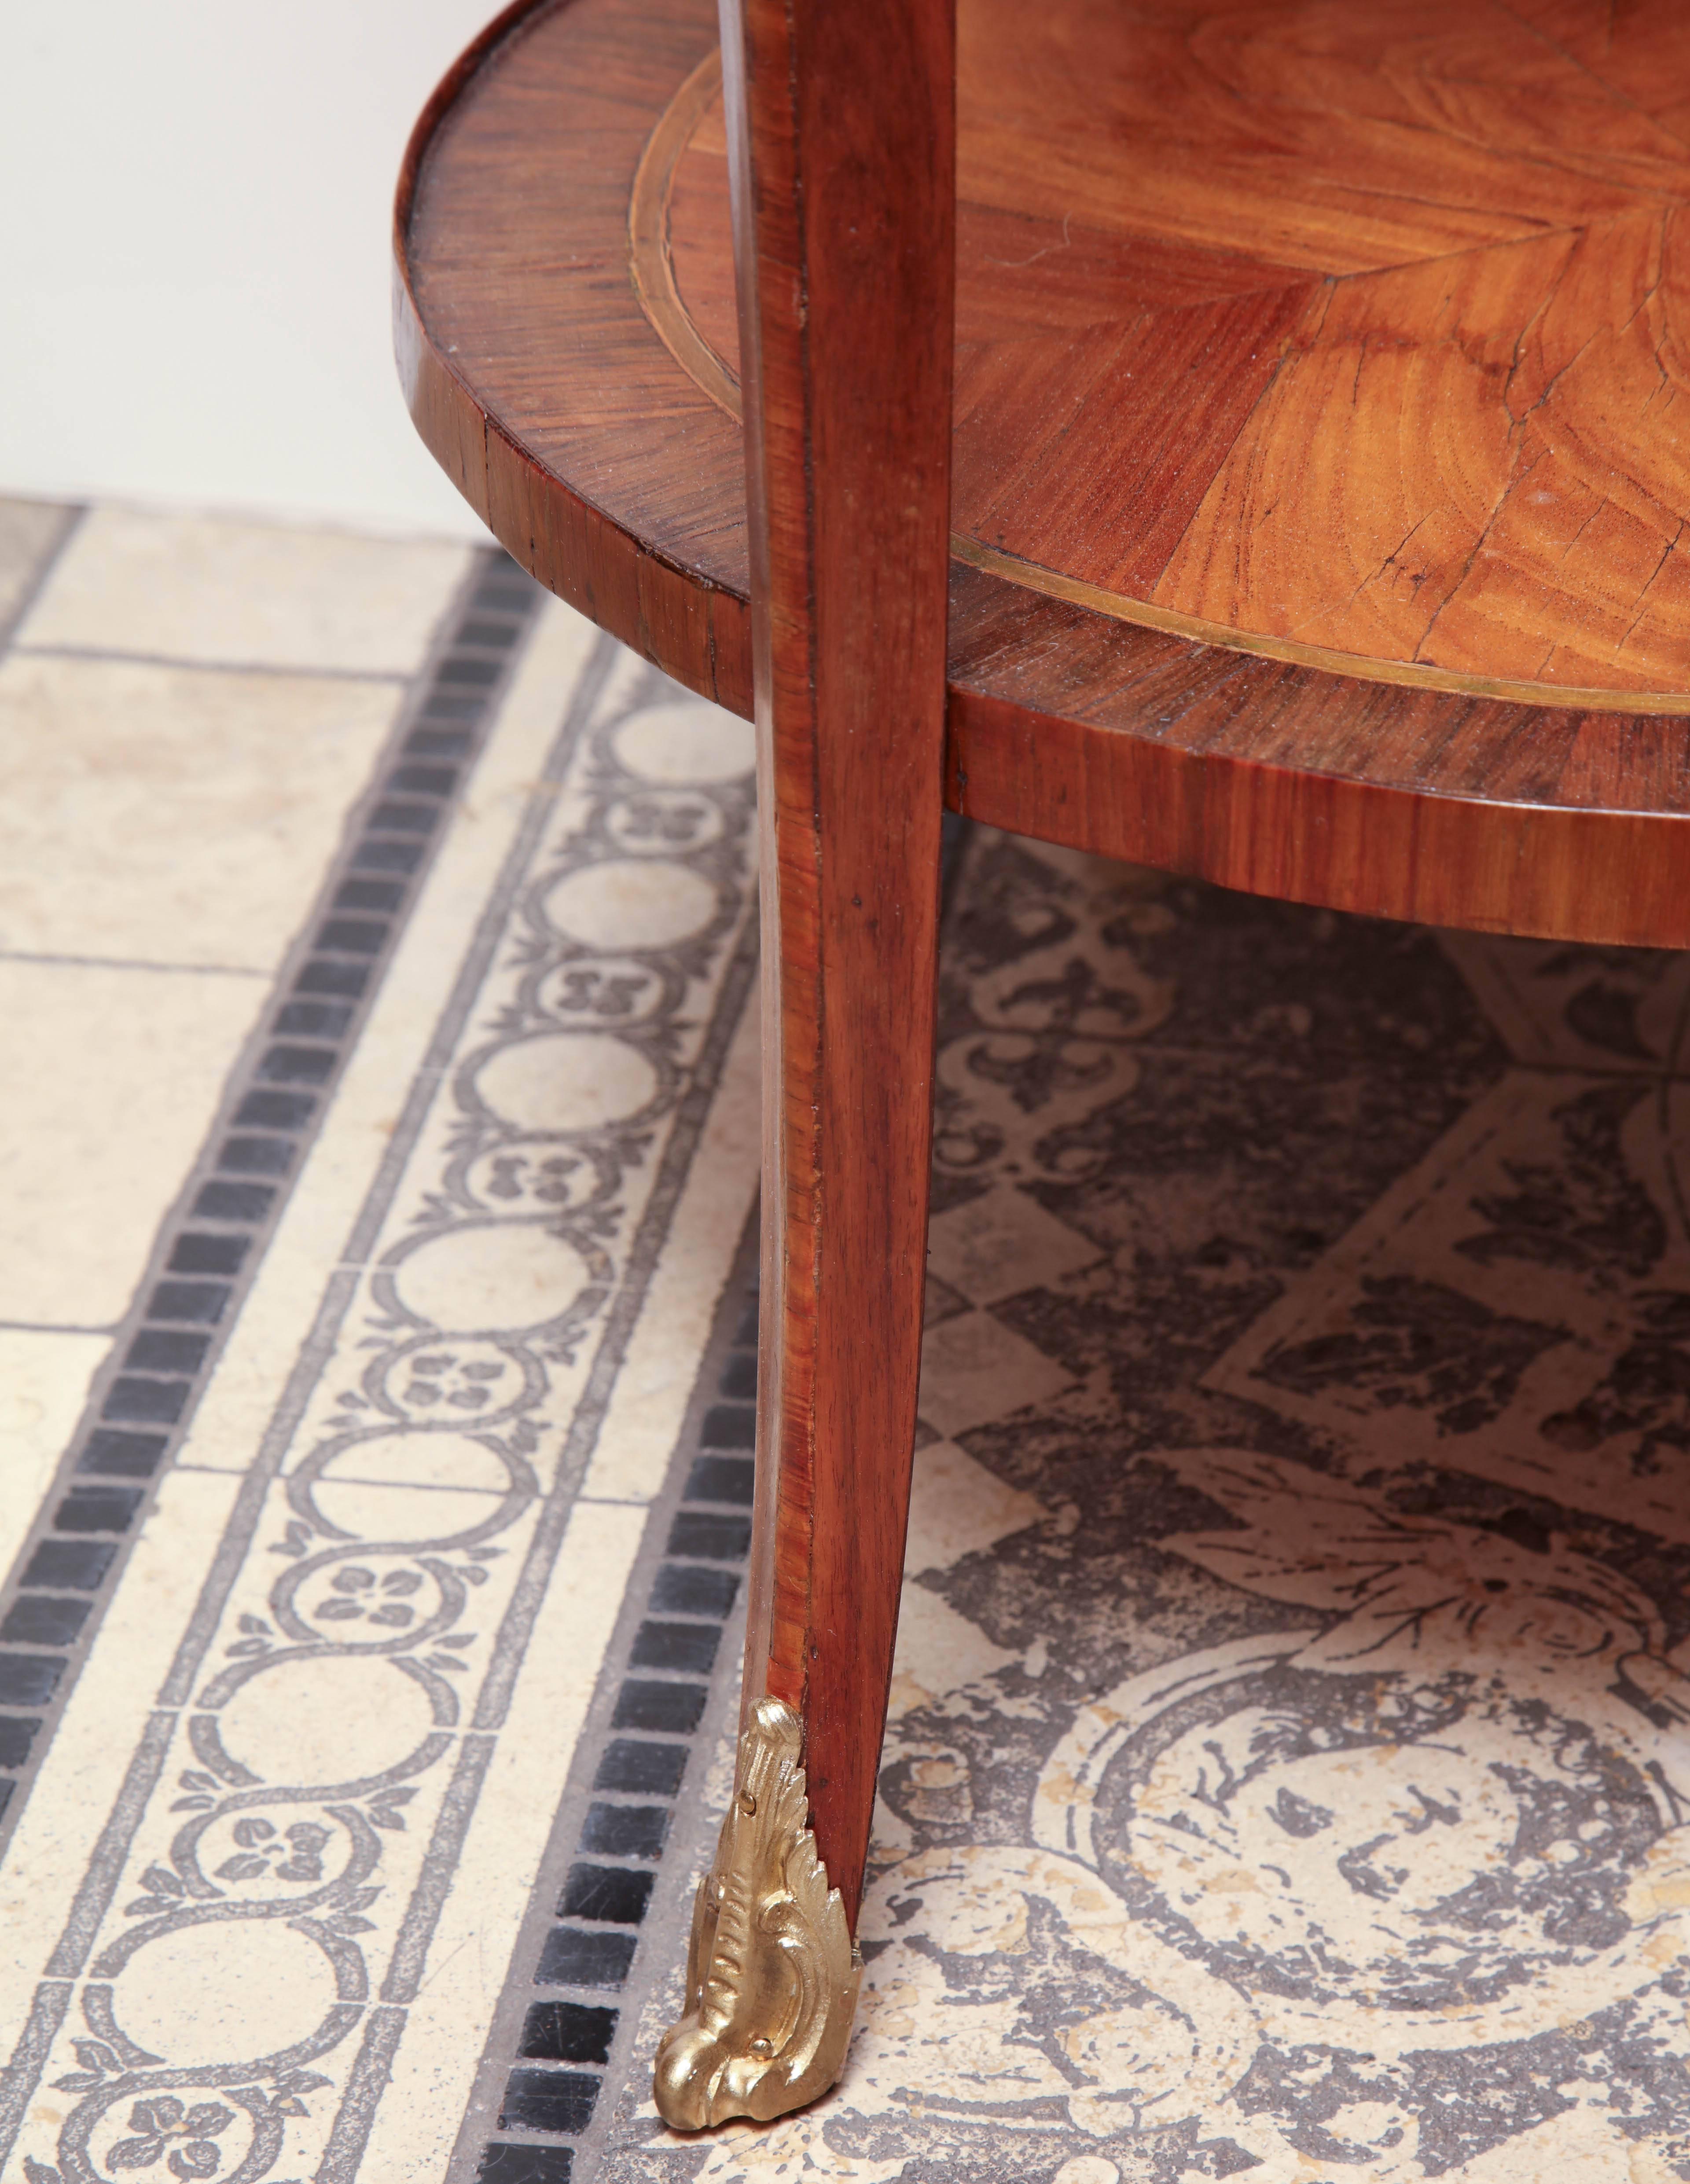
x=772 y=1971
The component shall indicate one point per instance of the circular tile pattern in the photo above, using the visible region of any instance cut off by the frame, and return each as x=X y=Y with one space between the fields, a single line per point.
x=463 y=1462
x=563 y=1082
x=326 y=1719
x=686 y=742
x=626 y=903
x=493 y=1276
x=977 y=1944
x=435 y=1519
x=191 y=1994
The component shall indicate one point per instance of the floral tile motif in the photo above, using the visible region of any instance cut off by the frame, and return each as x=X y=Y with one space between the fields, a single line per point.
x=1619 y=1009
x=1310 y=1804
x=1516 y=1307
x=410 y=1550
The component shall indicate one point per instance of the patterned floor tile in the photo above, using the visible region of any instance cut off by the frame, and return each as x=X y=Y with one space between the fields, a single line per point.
x=1514 y=1308
x=1295 y=1786
x=1619 y=1009
x=1286 y=1771
x=342 y=1729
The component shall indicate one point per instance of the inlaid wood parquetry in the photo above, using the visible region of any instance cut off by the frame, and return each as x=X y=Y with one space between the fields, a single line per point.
x=1352 y=331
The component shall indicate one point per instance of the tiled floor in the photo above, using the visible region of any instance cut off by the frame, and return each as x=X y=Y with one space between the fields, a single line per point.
x=378 y=1117
x=1288 y=1769
x=1287 y=1773
x=148 y=890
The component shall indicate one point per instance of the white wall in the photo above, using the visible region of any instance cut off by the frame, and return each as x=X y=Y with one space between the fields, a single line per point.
x=194 y=202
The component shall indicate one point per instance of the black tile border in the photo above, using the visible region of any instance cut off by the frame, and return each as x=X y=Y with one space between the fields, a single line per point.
x=211 y=1244
x=668 y=1691
x=565 y=2036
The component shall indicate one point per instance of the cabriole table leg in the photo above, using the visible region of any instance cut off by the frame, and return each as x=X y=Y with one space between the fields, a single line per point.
x=841 y=133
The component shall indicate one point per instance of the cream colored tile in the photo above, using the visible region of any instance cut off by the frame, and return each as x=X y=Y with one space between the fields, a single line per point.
x=208 y=588
x=682 y=739
x=358 y=1126
x=974 y=1368
x=107 y=1084
x=43 y=1385
x=435 y=2063
x=957 y=1508
x=172 y=815
x=1002 y=1243
x=29 y=531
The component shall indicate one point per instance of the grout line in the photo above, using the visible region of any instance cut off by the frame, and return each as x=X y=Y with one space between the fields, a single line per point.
x=55 y=1327
x=118 y=656
x=134 y=963
x=488 y=1494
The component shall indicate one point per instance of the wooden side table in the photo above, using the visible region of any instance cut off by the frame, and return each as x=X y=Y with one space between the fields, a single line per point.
x=1308 y=475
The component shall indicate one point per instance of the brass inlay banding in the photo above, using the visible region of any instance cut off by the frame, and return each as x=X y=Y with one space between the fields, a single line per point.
x=1361 y=667
x=650 y=266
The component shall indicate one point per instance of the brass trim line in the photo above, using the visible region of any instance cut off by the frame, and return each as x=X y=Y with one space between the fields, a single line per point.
x=1408 y=674
x=650 y=264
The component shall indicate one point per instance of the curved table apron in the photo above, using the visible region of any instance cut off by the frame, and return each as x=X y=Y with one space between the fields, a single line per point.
x=1319 y=480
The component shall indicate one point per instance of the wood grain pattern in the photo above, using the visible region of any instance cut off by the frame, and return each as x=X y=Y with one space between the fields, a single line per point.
x=845 y=298
x=1359 y=335
x=503 y=323
x=539 y=382
x=1070 y=727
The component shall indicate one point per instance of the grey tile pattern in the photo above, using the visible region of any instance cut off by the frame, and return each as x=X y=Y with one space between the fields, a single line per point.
x=208 y=1250
x=1297 y=1786
x=620 y=1863
x=253 y=1943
